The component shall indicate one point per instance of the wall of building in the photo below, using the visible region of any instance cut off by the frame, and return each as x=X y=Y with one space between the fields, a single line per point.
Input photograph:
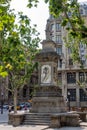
x=68 y=72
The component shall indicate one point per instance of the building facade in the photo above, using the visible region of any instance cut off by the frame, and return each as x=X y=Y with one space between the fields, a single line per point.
x=69 y=73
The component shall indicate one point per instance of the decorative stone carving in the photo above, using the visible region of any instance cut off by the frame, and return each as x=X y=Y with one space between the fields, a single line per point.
x=46 y=74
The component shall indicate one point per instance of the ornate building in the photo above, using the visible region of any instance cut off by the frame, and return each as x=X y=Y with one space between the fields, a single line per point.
x=68 y=72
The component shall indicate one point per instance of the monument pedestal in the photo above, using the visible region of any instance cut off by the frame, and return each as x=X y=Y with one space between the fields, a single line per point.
x=48 y=105
x=48 y=100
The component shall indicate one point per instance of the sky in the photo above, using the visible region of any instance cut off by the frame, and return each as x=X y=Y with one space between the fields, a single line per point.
x=37 y=15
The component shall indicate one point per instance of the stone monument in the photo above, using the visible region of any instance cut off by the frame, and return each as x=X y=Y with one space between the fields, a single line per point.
x=48 y=105
x=48 y=97
x=48 y=100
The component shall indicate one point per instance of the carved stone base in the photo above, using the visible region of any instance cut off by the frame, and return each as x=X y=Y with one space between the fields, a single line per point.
x=48 y=105
x=48 y=99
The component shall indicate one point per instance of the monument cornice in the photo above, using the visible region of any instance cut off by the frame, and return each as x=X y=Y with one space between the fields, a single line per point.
x=47 y=56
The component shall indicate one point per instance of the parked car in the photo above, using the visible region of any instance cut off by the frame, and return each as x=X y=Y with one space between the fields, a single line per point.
x=6 y=106
x=22 y=105
x=25 y=105
x=18 y=107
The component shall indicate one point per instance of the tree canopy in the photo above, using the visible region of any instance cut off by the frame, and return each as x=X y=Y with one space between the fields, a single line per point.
x=18 y=40
x=18 y=47
x=69 y=10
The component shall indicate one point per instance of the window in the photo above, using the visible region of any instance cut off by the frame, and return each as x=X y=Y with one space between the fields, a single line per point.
x=81 y=11
x=72 y=96
x=59 y=78
x=82 y=51
x=69 y=51
x=83 y=62
x=71 y=77
x=52 y=38
x=60 y=63
x=59 y=50
x=81 y=76
x=70 y=62
x=52 y=27
x=83 y=95
x=58 y=39
x=51 y=16
x=58 y=26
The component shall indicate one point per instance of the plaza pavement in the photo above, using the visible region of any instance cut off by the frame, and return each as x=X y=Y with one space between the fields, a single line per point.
x=4 y=125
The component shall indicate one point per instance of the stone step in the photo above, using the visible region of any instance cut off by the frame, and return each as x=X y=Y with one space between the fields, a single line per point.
x=36 y=123
x=83 y=124
x=47 y=121
x=80 y=121
x=37 y=115
x=45 y=117
x=34 y=118
x=42 y=120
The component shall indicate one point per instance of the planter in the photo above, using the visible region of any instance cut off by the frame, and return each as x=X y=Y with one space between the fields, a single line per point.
x=16 y=119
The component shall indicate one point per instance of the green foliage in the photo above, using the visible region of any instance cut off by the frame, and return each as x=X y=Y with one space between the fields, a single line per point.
x=46 y=1
x=32 y=3
x=64 y=23
x=18 y=47
x=55 y=7
x=3 y=73
x=69 y=10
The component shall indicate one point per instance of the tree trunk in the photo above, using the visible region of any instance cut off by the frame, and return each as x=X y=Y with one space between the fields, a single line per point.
x=15 y=100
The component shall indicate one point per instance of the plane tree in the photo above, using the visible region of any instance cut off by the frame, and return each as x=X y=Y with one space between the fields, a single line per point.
x=18 y=47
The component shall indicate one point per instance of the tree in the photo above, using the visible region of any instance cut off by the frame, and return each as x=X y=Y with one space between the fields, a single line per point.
x=69 y=10
x=6 y=22
x=76 y=27
x=18 y=43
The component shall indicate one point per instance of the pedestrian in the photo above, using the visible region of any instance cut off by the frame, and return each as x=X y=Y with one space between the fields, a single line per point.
x=10 y=108
x=25 y=108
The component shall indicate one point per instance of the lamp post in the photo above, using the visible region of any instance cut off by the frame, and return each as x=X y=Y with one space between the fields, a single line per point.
x=69 y=100
x=1 y=103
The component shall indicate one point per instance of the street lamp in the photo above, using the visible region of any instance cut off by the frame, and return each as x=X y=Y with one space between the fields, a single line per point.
x=1 y=103
x=69 y=100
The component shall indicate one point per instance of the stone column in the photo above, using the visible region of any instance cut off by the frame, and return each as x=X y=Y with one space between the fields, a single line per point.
x=64 y=85
x=77 y=91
